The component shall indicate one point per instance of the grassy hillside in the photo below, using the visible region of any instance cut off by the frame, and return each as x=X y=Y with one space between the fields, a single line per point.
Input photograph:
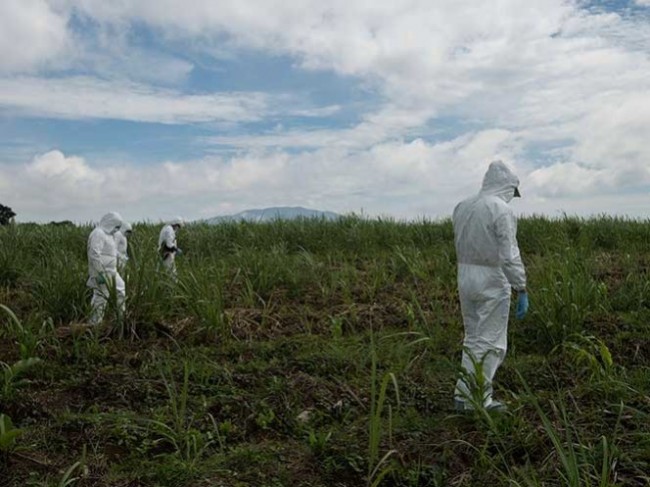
x=315 y=353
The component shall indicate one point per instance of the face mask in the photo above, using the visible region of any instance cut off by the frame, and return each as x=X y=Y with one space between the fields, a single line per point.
x=508 y=196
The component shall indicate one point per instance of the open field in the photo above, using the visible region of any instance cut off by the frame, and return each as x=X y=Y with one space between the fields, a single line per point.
x=317 y=353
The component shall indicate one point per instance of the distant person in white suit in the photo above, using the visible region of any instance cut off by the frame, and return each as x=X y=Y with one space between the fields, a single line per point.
x=167 y=245
x=122 y=243
x=103 y=275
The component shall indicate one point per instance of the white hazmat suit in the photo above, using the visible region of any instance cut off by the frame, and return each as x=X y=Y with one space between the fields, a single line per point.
x=102 y=266
x=489 y=265
x=121 y=244
x=167 y=245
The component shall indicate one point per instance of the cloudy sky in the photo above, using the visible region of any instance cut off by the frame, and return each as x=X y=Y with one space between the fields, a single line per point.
x=209 y=107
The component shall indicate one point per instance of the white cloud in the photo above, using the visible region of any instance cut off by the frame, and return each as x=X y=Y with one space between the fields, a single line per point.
x=525 y=66
x=315 y=112
x=386 y=124
x=410 y=47
x=403 y=179
x=51 y=183
x=566 y=179
x=533 y=75
x=138 y=65
x=351 y=138
x=57 y=186
x=117 y=52
x=84 y=97
x=32 y=35
x=574 y=179
x=59 y=170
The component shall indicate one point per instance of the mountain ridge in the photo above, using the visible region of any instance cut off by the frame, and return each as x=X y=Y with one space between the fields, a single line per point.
x=273 y=213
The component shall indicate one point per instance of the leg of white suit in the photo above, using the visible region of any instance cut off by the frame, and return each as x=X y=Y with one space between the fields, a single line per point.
x=170 y=264
x=101 y=296
x=485 y=304
x=120 y=291
x=98 y=304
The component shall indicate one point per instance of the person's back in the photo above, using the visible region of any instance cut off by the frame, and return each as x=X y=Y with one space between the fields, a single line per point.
x=475 y=223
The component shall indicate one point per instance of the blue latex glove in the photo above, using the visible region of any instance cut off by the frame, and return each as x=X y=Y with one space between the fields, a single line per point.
x=522 y=305
x=100 y=279
x=179 y=252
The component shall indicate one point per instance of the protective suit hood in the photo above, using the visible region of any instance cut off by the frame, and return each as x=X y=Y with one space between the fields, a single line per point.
x=111 y=222
x=176 y=221
x=126 y=227
x=500 y=181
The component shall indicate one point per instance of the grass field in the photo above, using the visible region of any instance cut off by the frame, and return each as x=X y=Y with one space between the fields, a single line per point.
x=315 y=353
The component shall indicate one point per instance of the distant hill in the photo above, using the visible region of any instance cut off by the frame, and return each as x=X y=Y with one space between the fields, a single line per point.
x=275 y=213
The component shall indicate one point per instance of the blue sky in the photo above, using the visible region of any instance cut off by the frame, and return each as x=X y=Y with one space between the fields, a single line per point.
x=155 y=108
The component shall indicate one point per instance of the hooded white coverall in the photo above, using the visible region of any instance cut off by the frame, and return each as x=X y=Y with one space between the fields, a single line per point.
x=489 y=265
x=121 y=243
x=102 y=261
x=167 y=244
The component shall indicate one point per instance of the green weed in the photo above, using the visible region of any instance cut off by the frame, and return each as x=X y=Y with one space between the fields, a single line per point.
x=12 y=375
x=379 y=468
x=201 y=379
x=8 y=436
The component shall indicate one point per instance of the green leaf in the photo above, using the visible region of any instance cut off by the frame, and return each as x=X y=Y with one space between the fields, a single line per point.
x=8 y=433
x=22 y=365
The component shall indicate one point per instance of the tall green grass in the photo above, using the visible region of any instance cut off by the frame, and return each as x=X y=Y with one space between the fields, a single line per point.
x=205 y=377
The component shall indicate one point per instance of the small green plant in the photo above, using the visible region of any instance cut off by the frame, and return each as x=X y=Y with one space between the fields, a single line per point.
x=8 y=435
x=203 y=296
x=222 y=430
x=9 y=273
x=265 y=417
x=581 y=463
x=79 y=467
x=593 y=354
x=28 y=340
x=60 y=288
x=566 y=297
x=379 y=468
x=188 y=443
x=318 y=441
x=189 y=446
x=336 y=323
x=11 y=375
x=68 y=478
x=479 y=389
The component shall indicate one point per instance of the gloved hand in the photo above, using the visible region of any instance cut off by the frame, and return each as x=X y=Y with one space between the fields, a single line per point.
x=522 y=304
x=100 y=279
x=179 y=252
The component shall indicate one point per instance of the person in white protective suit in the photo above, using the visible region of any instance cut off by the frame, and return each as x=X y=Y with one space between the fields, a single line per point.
x=167 y=245
x=121 y=244
x=489 y=266
x=103 y=275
